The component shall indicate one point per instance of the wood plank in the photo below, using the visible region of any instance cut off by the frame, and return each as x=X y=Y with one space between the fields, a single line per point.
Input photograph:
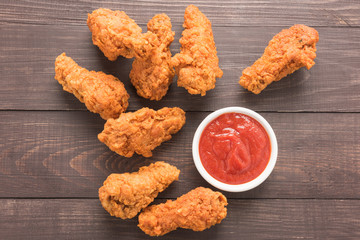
x=248 y=219
x=28 y=54
x=229 y=13
x=57 y=154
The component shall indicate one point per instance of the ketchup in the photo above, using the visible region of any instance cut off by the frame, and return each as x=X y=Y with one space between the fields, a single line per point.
x=234 y=148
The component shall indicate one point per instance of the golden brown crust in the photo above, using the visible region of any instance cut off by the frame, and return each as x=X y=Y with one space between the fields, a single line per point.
x=198 y=210
x=141 y=131
x=116 y=34
x=153 y=76
x=288 y=51
x=197 y=65
x=101 y=93
x=124 y=195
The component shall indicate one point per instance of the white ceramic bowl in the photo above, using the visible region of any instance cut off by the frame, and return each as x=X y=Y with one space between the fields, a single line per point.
x=235 y=187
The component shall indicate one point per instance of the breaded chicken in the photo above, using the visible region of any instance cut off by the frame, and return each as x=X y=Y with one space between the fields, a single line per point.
x=124 y=195
x=288 y=51
x=198 y=210
x=141 y=131
x=116 y=34
x=101 y=93
x=153 y=76
x=197 y=64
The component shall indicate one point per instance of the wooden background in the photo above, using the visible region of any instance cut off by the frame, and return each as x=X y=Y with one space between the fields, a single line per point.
x=51 y=163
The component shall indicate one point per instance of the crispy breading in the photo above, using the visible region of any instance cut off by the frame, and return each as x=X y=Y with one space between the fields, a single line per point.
x=197 y=64
x=153 y=76
x=198 y=210
x=124 y=195
x=288 y=51
x=116 y=34
x=101 y=93
x=141 y=131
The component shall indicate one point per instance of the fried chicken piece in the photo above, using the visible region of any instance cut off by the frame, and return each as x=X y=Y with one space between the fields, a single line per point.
x=101 y=93
x=124 y=195
x=198 y=210
x=141 y=131
x=116 y=34
x=288 y=51
x=153 y=76
x=197 y=64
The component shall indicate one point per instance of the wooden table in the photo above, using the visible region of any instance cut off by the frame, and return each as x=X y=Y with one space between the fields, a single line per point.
x=52 y=164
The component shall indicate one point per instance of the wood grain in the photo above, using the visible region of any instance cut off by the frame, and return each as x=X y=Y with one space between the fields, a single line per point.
x=51 y=163
x=28 y=54
x=57 y=154
x=246 y=219
x=230 y=13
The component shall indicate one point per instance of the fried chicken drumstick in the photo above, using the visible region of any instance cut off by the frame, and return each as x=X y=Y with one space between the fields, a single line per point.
x=153 y=76
x=288 y=51
x=141 y=131
x=198 y=210
x=116 y=34
x=124 y=195
x=197 y=64
x=101 y=93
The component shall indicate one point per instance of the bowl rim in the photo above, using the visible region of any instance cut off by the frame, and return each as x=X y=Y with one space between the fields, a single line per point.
x=235 y=187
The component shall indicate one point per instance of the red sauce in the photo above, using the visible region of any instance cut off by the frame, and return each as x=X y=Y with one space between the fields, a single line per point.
x=234 y=148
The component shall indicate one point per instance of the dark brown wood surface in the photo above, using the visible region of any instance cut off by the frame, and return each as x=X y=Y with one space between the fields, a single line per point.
x=258 y=219
x=51 y=163
x=330 y=85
